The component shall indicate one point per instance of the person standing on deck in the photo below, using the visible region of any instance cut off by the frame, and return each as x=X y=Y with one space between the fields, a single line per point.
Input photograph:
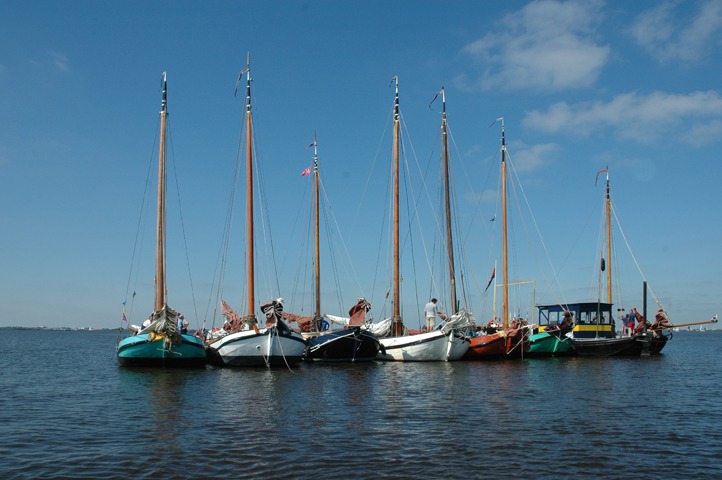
x=629 y=322
x=430 y=313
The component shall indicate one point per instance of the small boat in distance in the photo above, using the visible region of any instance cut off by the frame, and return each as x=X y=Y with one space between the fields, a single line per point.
x=243 y=343
x=160 y=342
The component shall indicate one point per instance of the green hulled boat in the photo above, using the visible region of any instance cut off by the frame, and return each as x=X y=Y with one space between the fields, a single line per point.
x=161 y=342
x=552 y=337
x=545 y=344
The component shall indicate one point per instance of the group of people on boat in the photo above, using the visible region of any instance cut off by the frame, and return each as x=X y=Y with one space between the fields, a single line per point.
x=636 y=324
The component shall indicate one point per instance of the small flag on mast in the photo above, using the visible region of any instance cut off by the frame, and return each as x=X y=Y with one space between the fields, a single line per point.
x=493 y=274
x=307 y=171
x=600 y=171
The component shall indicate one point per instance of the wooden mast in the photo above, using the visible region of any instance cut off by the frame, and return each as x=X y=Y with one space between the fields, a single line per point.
x=249 y=192
x=317 y=242
x=397 y=324
x=608 y=214
x=504 y=257
x=447 y=202
x=160 y=291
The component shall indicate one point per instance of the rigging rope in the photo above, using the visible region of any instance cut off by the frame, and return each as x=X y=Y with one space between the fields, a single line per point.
x=183 y=230
x=629 y=248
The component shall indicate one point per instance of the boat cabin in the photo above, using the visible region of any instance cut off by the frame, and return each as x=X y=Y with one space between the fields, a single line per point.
x=591 y=319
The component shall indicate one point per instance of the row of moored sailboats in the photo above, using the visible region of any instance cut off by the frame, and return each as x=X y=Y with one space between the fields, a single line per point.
x=243 y=341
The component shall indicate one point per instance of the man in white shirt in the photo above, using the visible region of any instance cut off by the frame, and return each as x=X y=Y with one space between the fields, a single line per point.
x=430 y=314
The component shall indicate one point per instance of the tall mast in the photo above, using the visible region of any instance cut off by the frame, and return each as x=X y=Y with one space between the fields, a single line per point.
x=160 y=299
x=398 y=326
x=447 y=201
x=608 y=214
x=504 y=258
x=317 y=245
x=249 y=191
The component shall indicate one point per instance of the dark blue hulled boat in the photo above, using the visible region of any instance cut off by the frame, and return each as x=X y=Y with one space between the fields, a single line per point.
x=354 y=343
x=161 y=343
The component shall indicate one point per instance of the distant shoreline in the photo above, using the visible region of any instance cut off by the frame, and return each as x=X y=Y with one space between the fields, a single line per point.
x=66 y=329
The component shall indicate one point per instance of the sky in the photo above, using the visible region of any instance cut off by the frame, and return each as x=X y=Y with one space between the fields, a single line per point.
x=582 y=86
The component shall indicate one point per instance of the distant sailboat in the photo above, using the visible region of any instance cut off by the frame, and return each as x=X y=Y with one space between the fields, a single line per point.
x=160 y=343
x=442 y=344
x=243 y=343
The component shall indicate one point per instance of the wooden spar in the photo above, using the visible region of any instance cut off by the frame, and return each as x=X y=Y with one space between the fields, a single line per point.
x=317 y=242
x=160 y=299
x=249 y=193
x=447 y=202
x=397 y=324
x=608 y=214
x=677 y=325
x=504 y=258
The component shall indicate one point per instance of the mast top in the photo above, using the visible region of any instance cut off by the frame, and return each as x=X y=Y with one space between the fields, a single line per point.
x=248 y=82
x=247 y=71
x=396 y=100
x=315 y=152
x=608 y=188
x=164 y=88
x=503 y=139
x=443 y=102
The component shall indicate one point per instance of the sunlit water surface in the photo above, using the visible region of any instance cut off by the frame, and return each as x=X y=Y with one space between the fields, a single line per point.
x=68 y=411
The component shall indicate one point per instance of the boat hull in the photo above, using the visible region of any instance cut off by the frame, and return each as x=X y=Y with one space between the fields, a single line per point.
x=652 y=344
x=497 y=345
x=492 y=345
x=545 y=344
x=269 y=347
x=351 y=345
x=434 y=346
x=606 y=347
x=152 y=350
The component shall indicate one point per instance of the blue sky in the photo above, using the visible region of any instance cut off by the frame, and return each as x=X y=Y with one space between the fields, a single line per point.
x=582 y=85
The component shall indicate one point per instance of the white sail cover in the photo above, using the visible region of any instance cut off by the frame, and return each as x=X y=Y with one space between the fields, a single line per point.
x=459 y=320
x=379 y=329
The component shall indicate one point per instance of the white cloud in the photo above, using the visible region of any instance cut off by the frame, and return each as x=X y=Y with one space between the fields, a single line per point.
x=704 y=133
x=547 y=45
x=664 y=32
x=60 y=61
x=530 y=158
x=643 y=118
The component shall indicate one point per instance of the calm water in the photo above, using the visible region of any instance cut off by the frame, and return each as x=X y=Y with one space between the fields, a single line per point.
x=68 y=411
